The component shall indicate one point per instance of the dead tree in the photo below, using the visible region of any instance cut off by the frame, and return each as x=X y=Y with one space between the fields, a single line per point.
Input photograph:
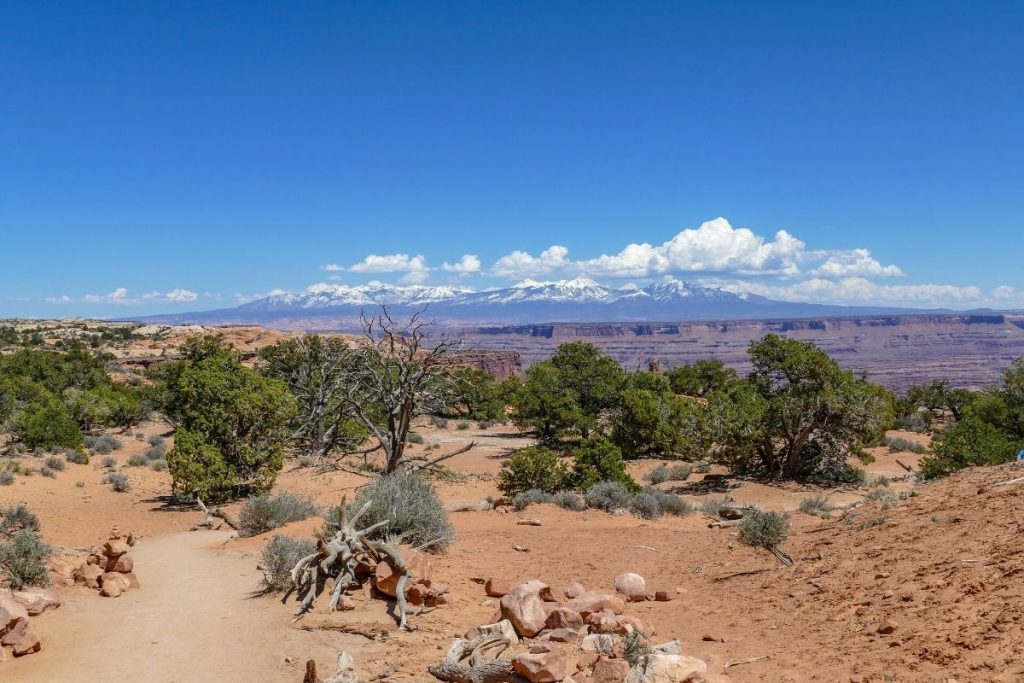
x=481 y=662
x=341 y=557
x=397 y=375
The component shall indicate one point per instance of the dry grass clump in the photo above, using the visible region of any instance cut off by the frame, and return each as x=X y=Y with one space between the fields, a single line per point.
x=817 y=506
x=678 y=472
x=263 y=513
x=279 y=555
x=410 y=505
x=764 y=529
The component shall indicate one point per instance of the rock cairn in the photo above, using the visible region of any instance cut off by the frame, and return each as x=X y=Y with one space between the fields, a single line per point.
x=109 y=568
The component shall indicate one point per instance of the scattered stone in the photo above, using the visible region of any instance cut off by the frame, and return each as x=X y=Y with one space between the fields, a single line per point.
x=547 y=595
x=628 y=624
x=444 y=600
x=564 y=635
x=587 y=660
x=632 y=586
x=603 y=622
x=386 y=580
x=523 y=607
x=62 y=572
x=672 y=647
x=89 y=575
x=889 y=626
x=541 y=667
x=121 y=563
x=27 y=645
x=574 y=590
x=663 y=596
x=115 y=547
x=133 y=581
x=15 y=631
x=346 y=604
x=11 y=611
x=659 y=668
x=112 y=584
x=610 y=670
x=563 y=617
x=596 y=602
x=598 y=642
x=497 y=586
x=37 y=600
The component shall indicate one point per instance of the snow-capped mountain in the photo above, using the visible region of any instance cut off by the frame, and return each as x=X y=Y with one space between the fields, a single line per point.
x=577 y=300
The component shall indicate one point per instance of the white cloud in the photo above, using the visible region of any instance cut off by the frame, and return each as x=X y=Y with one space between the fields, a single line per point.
x=181 y=295
x=854 y=262
x=390 y=263
x=118 y=296
x=62 y=299
x=467 y=265
x=520 y=265
x=861 y=291
x=121 y=297
x=332 y=267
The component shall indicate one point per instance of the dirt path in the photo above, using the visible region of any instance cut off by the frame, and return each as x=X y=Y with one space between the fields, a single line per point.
x=192 y=620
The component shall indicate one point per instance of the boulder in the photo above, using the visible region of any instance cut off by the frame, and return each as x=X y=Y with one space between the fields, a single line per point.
x=497 y=586
x=121 y=563
x=574 y=590
x=598 y=642
x=62 y=572
x=502 y=628
x=27 y=645
x=541 y=667
x=547 y=595
x=112 y=584
x=115 y=547
x=386 y=580
x=628 y=624
x=346 y=604
x=563 y=617
x=523 y=607
x=596 y=602
x=11 y=611
x=417 y=594
x=632 y=586
x=15 y=632
x=672 y=647
x=6 y=652
x=659 y=668
x=89 y=575
x=37 y=600
x=445 y=600
x=133 y=581
x=608 y=670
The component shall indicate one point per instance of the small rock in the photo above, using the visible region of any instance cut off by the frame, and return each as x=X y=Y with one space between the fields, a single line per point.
x=497 y=586
x=662 y=596
x=563 y=617
x=37 y=600
x=89 y=575
x=603 y=622
x=882 y=575
x=587 y=660
x=15 y=631
x=122 y=563
x=598 y=642
x=523 y=607
x=632 y=586
x=446 y=600
x=133 y=581
x=541 y=667
x=889 y=626
x=547 y=595
x=672 y=647
x=564 y=635
x=113 y=584
x=596 y=602
x=28 y=644
x=574 y=590
x=346 y=604
x=659 y=668
x=610 y=670
x=115 y=548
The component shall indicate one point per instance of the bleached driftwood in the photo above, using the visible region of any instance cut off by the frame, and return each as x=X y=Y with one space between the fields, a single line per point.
x=481 y=662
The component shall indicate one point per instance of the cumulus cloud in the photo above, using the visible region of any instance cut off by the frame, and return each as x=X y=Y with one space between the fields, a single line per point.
x=332 y=267
x=121 y=297
x=62 y=299
x=469 y=264
x=519 y=265
x=854 y=262
x=861 y=291
x=118 y=296
x=390 y=263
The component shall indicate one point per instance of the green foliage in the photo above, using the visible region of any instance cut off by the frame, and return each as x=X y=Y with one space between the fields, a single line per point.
x=532 y=468
x=410 y=505
x=608 y=496
x=968 y=443
x=14 y=519
x=23 y=560
x=567 y=393
x=649 y=423
x=46 y=424
x=55 y=463
x=76 y=457
x=138 y=460
x=764 y=529
x=159 y=465
x=232 y=423
x=478 y=395
x=897 y=444
x=597 y=459
x=263 y=513
x=279 y=555
x=702 y=378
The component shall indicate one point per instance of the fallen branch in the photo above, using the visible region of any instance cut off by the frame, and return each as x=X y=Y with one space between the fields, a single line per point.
x=731 y=663
x=368 y=631
x=482 y=665
x=1010 y=481
x=440 y=458
x=647 y=547
x=724 y=523
x=215 y=512
x=529 y=522
x=908 y=468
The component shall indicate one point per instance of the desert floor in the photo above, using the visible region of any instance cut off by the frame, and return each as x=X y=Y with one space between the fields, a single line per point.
x=197 y=617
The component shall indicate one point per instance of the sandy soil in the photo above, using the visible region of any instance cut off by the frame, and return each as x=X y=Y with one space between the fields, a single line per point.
x=195 y=617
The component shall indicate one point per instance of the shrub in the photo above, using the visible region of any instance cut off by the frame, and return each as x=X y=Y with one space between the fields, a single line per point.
x=48 y=472
x=80 y=484
x=411 y=506
x=76 y=457
x=137 y=460
x=532 y=468
x=439 y=422
x=702 y=467
x=663 y=473
x=109 y=462
x=277 y=559
x=968 y=443
x=55 y=463
x=608 y=496
x=19 y=448
x=569 y=501
x=712 y=507
x=155 y=440
x=764 y=529
x=671 y=504
x=263 y=513
x=897 y=444
x=645 y=505
x=462 y=425
x=103 y=444
x=118 y=482
x=156 y=452
x=47 y=425
x=817 y=506
x=485 y=424
x=635 y=647
x=880 y=481
x=17 y=518
x=885 y=497
x=527 y=498
x=6 y=477
x=415 y=438
x=598 y=459
x=23 y=560
x=158 y=465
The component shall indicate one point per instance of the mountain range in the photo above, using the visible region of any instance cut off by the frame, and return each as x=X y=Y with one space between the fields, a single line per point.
x=327 y=306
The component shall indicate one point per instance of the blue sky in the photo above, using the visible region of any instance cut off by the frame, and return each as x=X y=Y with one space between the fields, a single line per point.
x=187 y=155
